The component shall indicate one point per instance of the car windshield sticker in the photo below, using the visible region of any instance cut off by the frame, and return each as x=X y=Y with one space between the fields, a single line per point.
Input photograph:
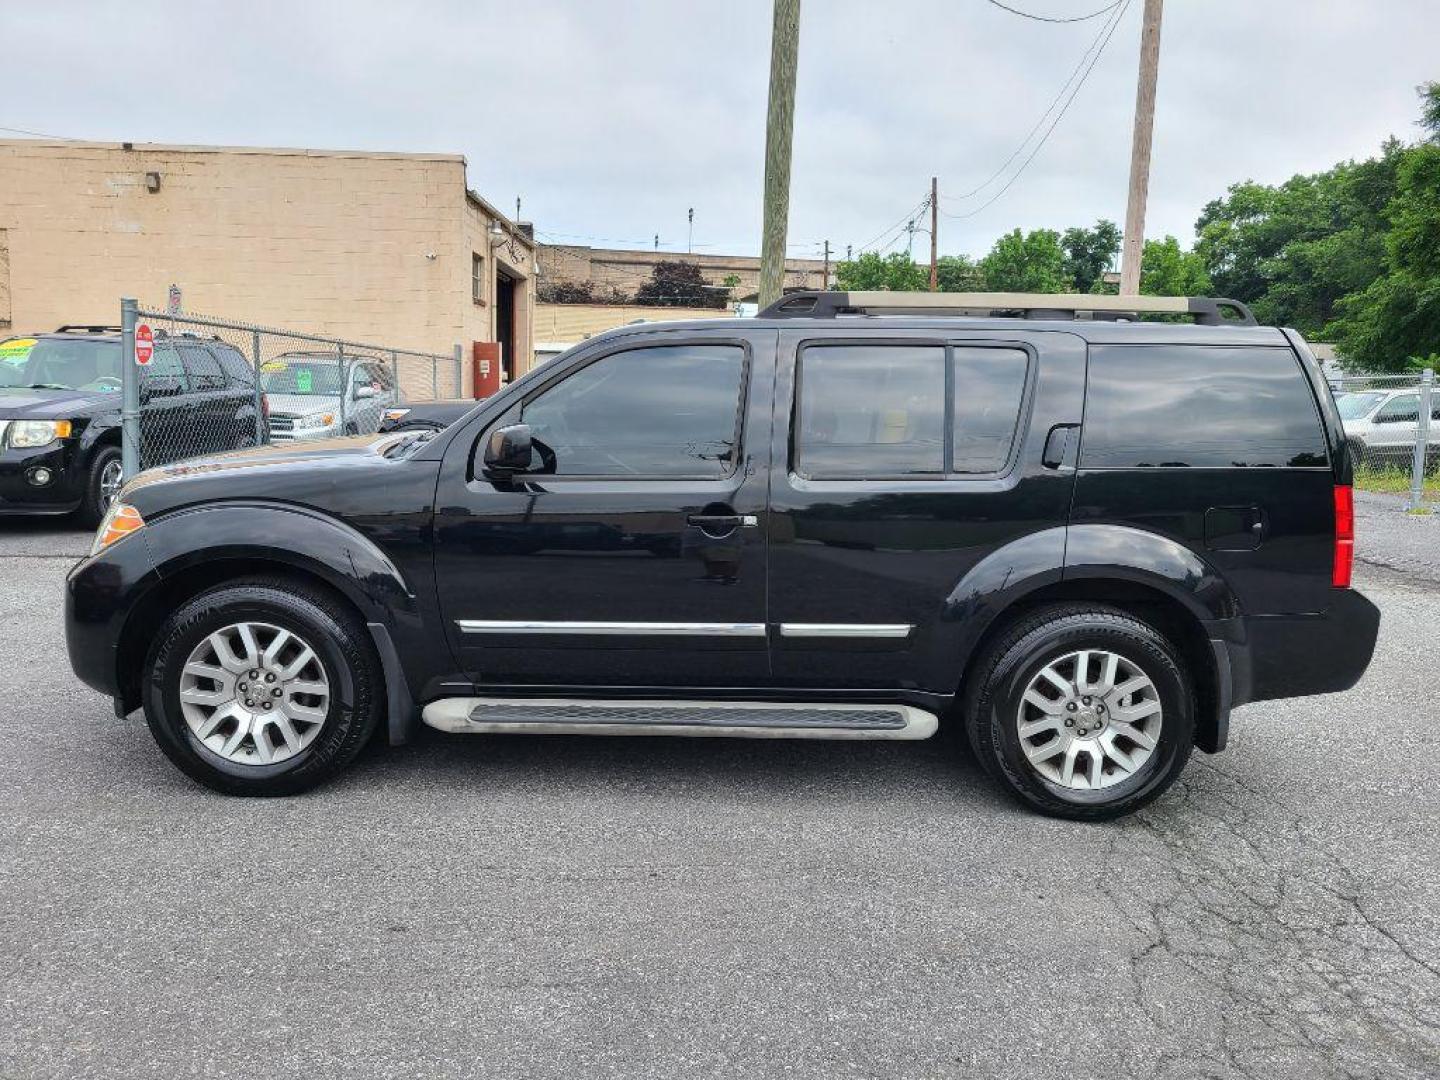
x=270 y=367
x=304 y=381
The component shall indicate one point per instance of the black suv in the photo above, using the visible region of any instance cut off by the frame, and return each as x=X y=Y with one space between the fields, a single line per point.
x=1084 y=537
x=60 y=415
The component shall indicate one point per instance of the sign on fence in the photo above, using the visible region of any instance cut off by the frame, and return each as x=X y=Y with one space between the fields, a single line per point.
x=144 y=344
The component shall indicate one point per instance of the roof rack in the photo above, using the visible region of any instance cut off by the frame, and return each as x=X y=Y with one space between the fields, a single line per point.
x=1205 y=310
x=82 y=328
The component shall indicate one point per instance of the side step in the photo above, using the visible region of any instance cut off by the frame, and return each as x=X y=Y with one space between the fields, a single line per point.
x=724 y=719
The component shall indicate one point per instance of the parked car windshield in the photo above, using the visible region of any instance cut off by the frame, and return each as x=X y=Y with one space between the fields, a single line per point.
x=316 y=377
x=60 y=364
x=1354 y=406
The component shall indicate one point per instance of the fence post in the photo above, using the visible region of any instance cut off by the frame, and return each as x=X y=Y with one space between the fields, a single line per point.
x=1422 y=440
x=129 y=391
x=262 y=435
x=344 y=387
x=459 y=369
x=395 y=374
x=434 y=378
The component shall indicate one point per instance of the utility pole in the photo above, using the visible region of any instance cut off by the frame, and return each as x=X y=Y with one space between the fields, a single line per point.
x=1140 y=151
x=934 y=231
x=779 y=124
x=690 y=233
x=825 y=281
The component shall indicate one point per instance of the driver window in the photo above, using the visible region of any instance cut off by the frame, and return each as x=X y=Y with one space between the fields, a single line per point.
x=1400 y=410
x=669 y=411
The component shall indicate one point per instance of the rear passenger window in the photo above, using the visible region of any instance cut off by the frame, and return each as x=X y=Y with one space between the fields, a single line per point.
x=1168 y=406
x=879 y=411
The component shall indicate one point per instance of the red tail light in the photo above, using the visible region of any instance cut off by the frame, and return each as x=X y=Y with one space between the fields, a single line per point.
x=1344 y=537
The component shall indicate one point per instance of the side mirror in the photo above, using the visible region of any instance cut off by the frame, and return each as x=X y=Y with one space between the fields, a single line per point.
x=365 y=391
x=507 y=451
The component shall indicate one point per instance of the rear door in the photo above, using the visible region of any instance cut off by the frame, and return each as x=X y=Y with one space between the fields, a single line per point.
x=633 y=555
x=166 y=424
x=211 y=405
x=902 y=461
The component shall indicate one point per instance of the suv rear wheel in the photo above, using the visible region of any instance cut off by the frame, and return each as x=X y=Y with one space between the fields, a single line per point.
x=1082 y=712
x=262 y=687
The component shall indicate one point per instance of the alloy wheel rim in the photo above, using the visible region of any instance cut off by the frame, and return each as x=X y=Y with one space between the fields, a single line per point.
x=112 y=477
x=1089 y=719
x=254 y=693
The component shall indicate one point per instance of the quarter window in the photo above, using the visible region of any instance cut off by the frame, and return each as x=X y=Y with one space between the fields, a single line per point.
x=877 y=411
x=1176 y=406
x=204 y=369
x=670 y=412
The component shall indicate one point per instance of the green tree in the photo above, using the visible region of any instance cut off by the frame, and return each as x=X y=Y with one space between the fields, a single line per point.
x=871 y=271
x=677 y=283
x=1398 y=315
x=958 y=273
x=1089 y=253
x=1031 y=262
x=1166 y=269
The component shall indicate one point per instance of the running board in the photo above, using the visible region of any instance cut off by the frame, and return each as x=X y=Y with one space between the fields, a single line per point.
x=722 y=719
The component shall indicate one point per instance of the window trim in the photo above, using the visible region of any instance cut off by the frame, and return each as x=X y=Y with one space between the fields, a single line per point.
x=949 y=344
x=477 y=279
x=741 y=409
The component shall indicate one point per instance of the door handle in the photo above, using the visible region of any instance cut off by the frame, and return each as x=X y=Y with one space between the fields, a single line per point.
x=1059 y=445
x=723 y=521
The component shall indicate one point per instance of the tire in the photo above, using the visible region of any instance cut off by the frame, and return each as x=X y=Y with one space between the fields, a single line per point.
x=344 y=660
x=104 y=467
x=996 y=705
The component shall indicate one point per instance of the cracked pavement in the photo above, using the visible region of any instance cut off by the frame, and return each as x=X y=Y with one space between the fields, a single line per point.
x=592 y=907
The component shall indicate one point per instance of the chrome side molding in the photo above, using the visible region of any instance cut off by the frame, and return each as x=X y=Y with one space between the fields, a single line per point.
x=636 y=629
x=845 y=630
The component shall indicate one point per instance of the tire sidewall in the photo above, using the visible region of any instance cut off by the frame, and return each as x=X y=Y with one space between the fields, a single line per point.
x=1147 y=651
x=203 y=616
x=92 y=508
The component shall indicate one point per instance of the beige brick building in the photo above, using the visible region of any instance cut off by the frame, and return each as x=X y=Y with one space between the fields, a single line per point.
x=628 y=270
x=385 y=248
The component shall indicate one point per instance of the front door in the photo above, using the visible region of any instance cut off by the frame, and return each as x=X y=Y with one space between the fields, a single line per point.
x=900 y=463
x=632 y=555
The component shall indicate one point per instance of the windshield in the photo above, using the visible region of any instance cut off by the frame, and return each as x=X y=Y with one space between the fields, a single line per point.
x=60 y=364
x=1354 y=406
x=314 y=377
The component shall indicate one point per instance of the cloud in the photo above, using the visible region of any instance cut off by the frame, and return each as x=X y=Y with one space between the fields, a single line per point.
x=612 y=119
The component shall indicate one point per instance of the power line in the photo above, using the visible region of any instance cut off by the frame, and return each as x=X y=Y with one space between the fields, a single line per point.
x=1114 y=24
x=1055 y=101
x=1049 y=19
x=898 y=227
x=37 y=134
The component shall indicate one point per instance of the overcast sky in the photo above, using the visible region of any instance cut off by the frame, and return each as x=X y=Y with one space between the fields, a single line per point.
x=612 y=118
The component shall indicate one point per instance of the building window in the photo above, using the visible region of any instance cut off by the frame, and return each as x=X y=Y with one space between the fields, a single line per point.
x=477 y=279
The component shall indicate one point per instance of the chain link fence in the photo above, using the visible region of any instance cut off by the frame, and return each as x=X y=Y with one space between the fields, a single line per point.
x=208 y=385
x=1392 y=423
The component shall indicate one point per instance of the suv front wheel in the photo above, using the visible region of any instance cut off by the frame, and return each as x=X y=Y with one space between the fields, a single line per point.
x=262 y=687
x=1083 y=712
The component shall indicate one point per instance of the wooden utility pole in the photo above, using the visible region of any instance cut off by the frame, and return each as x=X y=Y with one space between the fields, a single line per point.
x=779 y=123
x=1140 y=151
x=825 y=281
x=934 y=231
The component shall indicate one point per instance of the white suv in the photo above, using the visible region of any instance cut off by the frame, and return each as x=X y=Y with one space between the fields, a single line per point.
x=1380 y=425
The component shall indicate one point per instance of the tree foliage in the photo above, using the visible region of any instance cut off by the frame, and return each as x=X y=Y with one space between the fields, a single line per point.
x=871 y=271
x=677 y=283
x=1026 y=262
x=1167 y=269
x=1089 y=253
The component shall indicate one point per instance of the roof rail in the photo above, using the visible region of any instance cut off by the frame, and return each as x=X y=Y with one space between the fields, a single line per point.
x=83 y=328
x=1205 y=310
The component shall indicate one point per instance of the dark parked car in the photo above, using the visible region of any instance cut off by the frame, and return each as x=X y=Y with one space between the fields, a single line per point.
x=426 y=415
x=60 y=415
x=1083 y=539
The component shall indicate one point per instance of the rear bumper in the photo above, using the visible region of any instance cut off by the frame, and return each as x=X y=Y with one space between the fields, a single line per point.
x=1264 y=657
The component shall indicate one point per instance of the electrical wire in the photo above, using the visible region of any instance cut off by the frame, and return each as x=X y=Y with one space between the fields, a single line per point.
x=38 y=134
x=897 y=228
x=1055 y=101
x=1113 y=25
x=1050 y=19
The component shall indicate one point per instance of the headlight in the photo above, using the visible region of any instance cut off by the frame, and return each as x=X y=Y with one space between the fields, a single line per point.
x=315 y=420
x=119 y=522
x=30 y=433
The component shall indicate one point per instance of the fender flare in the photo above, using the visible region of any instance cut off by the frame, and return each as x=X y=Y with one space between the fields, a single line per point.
x=1126 y=553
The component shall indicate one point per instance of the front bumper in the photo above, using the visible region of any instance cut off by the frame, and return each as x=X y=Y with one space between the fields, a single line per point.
x=100 y=593
x=60 y=495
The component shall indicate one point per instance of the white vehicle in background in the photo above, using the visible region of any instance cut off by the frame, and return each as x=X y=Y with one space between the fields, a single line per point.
x=1380 y=425
x=312 y=397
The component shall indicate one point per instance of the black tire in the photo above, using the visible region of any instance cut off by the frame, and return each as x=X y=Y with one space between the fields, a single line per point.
x=93 y=505
x=993 y=695
x=339 y=640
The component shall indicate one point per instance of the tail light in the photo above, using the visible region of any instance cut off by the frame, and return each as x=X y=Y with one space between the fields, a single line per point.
x=1344 y=537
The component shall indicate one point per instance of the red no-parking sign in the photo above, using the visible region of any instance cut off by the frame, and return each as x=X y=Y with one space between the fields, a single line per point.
x=144 y=344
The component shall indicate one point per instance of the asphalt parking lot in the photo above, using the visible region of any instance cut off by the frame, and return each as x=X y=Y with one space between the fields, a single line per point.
x=586 y=907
